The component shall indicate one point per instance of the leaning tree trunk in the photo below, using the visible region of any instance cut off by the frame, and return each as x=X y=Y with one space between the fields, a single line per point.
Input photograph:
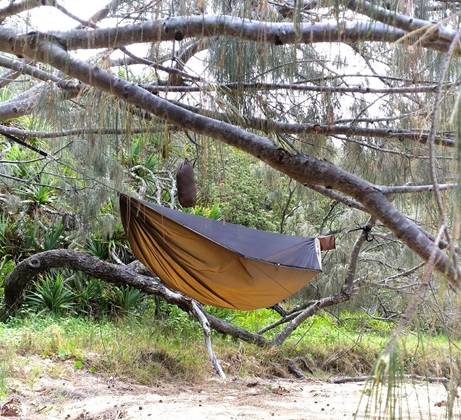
x=305 y=169
x=134 y=274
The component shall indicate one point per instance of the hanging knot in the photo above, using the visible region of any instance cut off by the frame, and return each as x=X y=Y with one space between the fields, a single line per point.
x=367 y=230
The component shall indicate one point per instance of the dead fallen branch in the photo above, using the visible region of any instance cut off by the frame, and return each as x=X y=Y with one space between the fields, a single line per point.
x=349 y=379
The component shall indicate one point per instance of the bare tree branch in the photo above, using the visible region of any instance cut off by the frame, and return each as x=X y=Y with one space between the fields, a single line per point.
x=134 y=275
x=272 y=126
x=15 y=131
x=200 y=315
x=26 y=102
x=15 y=7
x=406 y=189
x=294 y=87
x=177 y=28
x=407 y=23
x=354 y=258
x=105 y=11
x=35 y=72
x=298 y=318
x=8 y=77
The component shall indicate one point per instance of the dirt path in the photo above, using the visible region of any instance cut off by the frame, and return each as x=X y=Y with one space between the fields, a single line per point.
x=66 y=393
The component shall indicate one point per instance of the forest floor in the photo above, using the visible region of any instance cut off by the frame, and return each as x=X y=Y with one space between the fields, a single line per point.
x=50 y=389
x=75 y=368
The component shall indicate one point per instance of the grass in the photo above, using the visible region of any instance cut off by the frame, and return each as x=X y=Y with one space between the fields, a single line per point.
x=3 y=375
x=129 y=349
x=146 y=350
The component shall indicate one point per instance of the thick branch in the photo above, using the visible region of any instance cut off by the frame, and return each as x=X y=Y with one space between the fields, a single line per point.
x=208 y=26
x=27 y=270
x=407 y=23
x=15 y=7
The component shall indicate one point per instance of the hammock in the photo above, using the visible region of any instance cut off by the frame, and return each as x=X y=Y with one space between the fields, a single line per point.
x=217 y=263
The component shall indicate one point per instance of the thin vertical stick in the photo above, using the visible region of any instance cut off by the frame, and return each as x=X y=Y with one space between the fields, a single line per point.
x=207 y=333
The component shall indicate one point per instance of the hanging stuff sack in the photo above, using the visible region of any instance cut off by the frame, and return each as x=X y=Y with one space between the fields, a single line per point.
x=185 y=182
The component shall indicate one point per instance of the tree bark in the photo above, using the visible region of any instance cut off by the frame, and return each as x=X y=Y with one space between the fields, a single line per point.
x=211 y=26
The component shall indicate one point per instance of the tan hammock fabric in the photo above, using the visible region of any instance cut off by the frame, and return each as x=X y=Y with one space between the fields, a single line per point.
x=216 y=263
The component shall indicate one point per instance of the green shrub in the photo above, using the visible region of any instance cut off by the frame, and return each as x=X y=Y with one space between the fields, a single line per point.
x=125 y=299
x=53 y=238
x=213 y=212
x=88 y=295
x=98 y=248
x=6 y=267
x=39 y=195
x=52 y=295
x=10 y=236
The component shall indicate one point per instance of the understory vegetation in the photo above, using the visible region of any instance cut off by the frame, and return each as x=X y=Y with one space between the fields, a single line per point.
x=147 y=350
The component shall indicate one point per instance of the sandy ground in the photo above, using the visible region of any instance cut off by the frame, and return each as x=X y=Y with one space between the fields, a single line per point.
x=66 y=393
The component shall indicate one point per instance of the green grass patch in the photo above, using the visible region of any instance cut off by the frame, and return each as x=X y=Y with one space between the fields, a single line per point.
x=146 y=350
